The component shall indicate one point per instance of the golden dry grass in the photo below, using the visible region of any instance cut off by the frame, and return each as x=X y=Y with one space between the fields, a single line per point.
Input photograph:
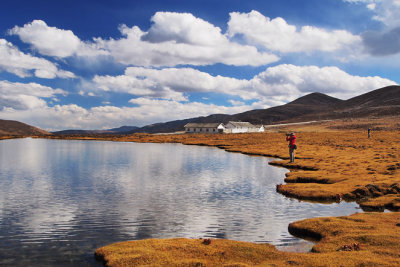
x=390 y=201
x=376 y=237
x=4 y=137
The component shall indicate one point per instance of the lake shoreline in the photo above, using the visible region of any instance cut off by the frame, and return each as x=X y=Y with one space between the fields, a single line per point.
x=329 y=166
x=304 y=172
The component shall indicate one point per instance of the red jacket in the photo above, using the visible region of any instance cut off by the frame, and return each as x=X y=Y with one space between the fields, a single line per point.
x=292 y=140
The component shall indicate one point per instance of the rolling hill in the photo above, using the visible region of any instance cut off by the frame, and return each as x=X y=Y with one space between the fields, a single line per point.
x=8 y=127
x=297 y=110
x=380 y=102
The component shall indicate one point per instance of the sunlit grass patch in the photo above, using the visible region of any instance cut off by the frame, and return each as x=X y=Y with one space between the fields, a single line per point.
x=366 y=239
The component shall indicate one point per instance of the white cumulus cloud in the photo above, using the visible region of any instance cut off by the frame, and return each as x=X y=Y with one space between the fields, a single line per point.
x=173 y=39
x=171 y=42
x=293 y=81
x=183 y=39
x=25 y=96
x=183 y=28
x=55 y=42
x=276 y=85
x=168 y=83
x=48 y=40
x=278 y=35
x=14 y=61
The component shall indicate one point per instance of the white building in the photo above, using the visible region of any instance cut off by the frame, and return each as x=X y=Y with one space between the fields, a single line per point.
x=230 y=127
x=242 y=127
x=204 y=127
x=260 y=128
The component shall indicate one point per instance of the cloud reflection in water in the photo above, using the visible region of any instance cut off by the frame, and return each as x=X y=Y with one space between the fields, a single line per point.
x=59 y=200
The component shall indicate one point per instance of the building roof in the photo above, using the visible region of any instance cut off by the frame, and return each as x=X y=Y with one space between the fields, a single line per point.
x=241 y=124
x=202 y=125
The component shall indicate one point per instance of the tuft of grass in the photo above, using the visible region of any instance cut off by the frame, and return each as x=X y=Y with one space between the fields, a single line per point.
x=390 y=201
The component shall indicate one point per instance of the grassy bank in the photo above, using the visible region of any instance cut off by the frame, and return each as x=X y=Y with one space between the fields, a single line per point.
x=5 y=137
x=365 y=239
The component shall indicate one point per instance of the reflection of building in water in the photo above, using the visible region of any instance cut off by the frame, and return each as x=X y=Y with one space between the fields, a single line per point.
x=230 y=127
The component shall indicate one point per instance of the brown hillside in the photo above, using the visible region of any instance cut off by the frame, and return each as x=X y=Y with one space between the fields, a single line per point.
x=387 y=96
x=380 y=102
x=303 y=108
x=316 y=99
x=8 y=127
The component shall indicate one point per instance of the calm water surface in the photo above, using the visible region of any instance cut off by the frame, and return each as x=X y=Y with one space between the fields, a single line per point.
x=60 y=200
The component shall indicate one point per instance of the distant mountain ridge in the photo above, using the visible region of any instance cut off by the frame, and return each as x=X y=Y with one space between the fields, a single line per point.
x=380 y=102
x=119 y=130
x=315 y=106
x=387 y=96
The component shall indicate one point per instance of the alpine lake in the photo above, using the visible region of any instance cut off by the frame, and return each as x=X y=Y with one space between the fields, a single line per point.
x=62 y=199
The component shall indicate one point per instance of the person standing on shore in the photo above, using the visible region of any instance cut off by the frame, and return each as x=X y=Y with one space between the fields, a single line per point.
x=292 y=145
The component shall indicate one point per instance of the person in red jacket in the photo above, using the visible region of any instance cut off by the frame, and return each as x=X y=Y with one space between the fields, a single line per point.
x=292 y=145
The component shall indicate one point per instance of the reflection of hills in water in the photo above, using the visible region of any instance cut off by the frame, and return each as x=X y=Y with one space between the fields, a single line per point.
x=67 y=198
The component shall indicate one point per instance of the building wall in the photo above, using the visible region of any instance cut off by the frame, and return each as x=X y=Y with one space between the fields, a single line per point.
x=231 y=129
x=227 y=129
x=237 y=130
x=201 y=130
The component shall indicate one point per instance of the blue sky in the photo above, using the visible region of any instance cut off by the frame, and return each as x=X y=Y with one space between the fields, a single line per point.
x=103 y=64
